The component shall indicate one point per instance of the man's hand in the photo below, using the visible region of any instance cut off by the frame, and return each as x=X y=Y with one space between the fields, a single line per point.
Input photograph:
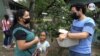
x=62 y=36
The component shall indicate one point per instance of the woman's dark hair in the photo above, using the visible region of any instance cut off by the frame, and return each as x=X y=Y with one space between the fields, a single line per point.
x=79 y=6
x=19 y=14
x=6 y=17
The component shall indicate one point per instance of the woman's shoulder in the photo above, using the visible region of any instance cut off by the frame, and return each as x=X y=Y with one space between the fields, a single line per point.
x=17 y=29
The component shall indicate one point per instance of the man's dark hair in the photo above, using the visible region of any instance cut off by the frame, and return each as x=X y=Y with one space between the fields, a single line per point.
x=6 y=16
x=79 y=6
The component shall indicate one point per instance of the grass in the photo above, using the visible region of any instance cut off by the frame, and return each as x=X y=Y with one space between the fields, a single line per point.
x=1 y=36
x=4 y=52
x=54 y=50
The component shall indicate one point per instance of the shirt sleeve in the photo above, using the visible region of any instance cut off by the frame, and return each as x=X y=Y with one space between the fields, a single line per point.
x=38 y=45
x=48 y=45
x=20 y=35
x=89 y=27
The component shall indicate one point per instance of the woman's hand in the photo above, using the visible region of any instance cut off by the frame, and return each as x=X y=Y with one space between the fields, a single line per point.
x=36 y=40
x=23 y=45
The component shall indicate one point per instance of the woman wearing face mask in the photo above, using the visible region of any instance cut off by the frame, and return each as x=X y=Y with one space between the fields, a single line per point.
x=24 y=38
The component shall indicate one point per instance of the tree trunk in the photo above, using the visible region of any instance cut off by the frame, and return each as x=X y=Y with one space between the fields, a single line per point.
x=31 y=9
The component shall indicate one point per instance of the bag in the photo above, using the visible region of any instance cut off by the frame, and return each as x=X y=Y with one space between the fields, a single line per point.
x=67 y=42
x=36 y=53
x=8 y=32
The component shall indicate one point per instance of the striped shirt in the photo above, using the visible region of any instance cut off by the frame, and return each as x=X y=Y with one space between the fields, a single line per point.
x=85 y=25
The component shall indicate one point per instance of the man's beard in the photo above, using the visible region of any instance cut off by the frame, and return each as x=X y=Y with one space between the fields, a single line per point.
x=74 y=16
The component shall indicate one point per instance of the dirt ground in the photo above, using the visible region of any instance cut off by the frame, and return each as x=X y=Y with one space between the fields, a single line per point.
x=57 y=51
x=5 y=52
x=53 y=51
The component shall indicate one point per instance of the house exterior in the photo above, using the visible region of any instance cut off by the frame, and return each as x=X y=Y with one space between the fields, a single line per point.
x=8 y=7
x=2 y=9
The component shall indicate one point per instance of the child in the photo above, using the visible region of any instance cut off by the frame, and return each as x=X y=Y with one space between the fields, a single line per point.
x=43 y=45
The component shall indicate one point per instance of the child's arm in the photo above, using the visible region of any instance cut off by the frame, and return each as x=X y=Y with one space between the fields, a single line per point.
x=48 y=46
x=47 y=51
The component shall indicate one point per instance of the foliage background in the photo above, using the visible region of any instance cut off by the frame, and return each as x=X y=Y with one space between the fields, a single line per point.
x=58 y=12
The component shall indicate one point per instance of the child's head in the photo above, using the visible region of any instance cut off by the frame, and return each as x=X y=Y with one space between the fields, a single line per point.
x=43 y=36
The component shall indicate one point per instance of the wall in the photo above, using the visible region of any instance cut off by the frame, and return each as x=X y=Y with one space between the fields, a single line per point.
x=2 y=9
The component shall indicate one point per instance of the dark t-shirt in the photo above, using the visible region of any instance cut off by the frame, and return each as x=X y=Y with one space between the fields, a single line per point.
x=20 y=34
